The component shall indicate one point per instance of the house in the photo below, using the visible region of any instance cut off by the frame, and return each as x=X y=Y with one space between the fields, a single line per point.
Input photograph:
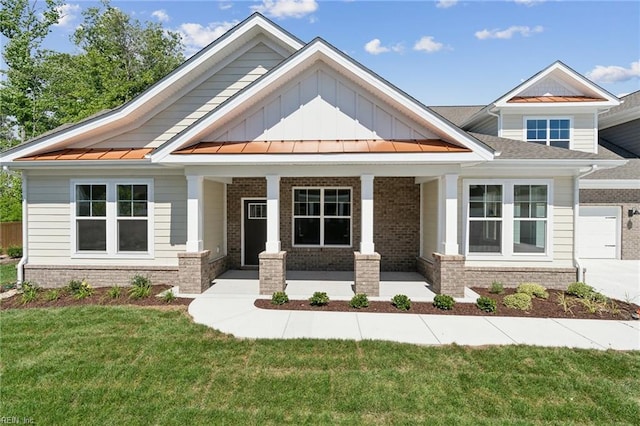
x=264 y=152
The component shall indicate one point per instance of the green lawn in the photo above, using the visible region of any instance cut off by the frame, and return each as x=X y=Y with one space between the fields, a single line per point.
x=8 y=273
x=125 y=365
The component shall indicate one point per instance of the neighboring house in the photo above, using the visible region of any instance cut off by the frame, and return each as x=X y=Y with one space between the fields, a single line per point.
x=263 y=151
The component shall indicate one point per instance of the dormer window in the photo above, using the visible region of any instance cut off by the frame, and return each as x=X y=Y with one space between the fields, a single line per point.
x=549 y=131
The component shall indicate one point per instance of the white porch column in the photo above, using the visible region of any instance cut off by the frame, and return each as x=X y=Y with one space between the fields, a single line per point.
x=366 y=215
x=195 y=205
x=273 y=214
x=449 y=214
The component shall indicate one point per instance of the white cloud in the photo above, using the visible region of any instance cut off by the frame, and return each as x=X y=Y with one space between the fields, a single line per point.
x=428 y=44
x=68 y=14
x=528 y=3
x=375 y=47
x=509 y=32
x=161 y=15
x=445 y=4
x=614 y=73
x=286 y=8
x=196 y=36
x=224 y=5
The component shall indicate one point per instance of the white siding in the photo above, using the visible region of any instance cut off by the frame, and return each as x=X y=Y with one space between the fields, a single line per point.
x=49 y=221
x=563 y=221
x=214 y=218
x=429 y=218
x=550 y=86
x=488 y=126
x=320 y=105
x=204 y=98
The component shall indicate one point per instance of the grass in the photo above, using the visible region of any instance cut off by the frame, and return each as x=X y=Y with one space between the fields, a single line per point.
x=126 y=365
x=8 y=273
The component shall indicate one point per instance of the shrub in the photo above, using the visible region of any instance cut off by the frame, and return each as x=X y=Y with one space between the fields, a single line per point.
x=486 y=304
x=521 y=301
x=533 y=289
x=29 y=291
x=140 y=287
x=580 y=290
x=80 y=289
x=565 y=302
x=74 y=286
x=444 y=302
x=114 y=292
x=359 y=301
x=279 y=298
x=52 y=295
x=319 y=298
x=168 y=296
x=402 y=302
x=14 y=251
x=496 y=288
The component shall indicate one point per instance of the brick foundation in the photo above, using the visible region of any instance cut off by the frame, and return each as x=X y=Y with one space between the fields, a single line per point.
x=56 y=276
x=425 y=268
x=193 y=272
x=273 y=270
x=366 y=271
x=556 y=278
x=448 y=274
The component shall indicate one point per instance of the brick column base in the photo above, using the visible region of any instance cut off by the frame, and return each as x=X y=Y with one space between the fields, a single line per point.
x=366 y=270
x=448 y=274
x=193 y=272
x=273 y=271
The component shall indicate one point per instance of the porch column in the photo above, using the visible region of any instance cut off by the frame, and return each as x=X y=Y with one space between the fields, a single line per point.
x=366 y=266
x=273 y=261
x=194 y=213
x=449 y=214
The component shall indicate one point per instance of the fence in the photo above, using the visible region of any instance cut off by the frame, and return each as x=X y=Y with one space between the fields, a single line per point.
x=10 y=234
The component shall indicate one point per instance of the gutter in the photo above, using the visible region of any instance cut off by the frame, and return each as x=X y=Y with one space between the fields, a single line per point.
x=576 y=215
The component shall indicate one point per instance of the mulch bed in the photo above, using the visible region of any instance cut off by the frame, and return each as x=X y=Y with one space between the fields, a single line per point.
x=542 y=308
x=99 y=297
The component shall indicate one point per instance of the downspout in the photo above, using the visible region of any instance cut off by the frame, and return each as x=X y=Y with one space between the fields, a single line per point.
x=576 y=215
x=25 y=239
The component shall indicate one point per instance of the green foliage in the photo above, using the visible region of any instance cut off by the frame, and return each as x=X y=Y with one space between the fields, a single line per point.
x=359 y=301
x=444 y=302
x=10 y=197
x=486 y=304
x=521 y=301
x=279 y=298
x=52 y=295
x=29 y=291
x=140 y=287
x=567 y=303
x=319 y=298
x=496 y=288
x=401 y=302
x=168 y=296
x=8 y=275
x=533 y=289
x=580 y=289
x=14 y=252
x=114 y=292
x=80 y=289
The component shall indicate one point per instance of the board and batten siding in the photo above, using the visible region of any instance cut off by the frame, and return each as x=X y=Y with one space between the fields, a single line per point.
x=198 y=102
x=429 y=218
x=320 y=105
x=584 y=133
x=214 y=223
x=49 y=221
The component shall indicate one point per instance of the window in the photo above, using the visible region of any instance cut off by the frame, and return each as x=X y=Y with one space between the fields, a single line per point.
x=112 y=217
x=551 y=131
x=322 y=216
x=257 y=210
x=509 y=218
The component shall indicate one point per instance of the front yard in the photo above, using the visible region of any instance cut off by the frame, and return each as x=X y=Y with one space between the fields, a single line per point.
x=132 y=365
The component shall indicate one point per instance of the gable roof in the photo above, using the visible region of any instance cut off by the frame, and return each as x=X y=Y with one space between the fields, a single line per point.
x=629 y=109
x=130 y=114
x=319 y=50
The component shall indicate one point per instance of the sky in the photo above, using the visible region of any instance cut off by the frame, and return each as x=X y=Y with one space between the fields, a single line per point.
x=447 y=52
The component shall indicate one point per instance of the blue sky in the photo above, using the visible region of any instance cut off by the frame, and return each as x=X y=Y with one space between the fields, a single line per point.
x=441 y=52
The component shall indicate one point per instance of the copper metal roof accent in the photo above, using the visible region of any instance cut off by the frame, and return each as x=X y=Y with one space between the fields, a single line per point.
x=90 y=154
x=322 y=147
x=541 y=99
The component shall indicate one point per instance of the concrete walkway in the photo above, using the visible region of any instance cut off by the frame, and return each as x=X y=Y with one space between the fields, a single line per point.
x=228 y=307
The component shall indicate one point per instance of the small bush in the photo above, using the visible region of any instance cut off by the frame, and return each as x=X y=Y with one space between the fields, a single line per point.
x=168 y=296
x=359 y=301
x=80 y=289
x=566 y=303
x=444 y=302
x=29 y=291
x=279 y=298
x=74 y=286
x=52 y=295
x=319 y=298
x=14 y=251
x=140 y=287
x=521 y=301
x=496 y=288
x=533 y=290
x=580 y=290
x=402 y=302
x=114 y=292
x=486 y=304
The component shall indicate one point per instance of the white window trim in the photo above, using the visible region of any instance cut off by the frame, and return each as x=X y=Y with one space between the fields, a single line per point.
x=112 y=219
x=293 y=218
x=547 y=117
x=508 y=220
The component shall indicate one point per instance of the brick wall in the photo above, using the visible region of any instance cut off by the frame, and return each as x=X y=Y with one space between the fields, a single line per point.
x=240 y=188
x=626 y=199
x=556 y=278
x=54 y=276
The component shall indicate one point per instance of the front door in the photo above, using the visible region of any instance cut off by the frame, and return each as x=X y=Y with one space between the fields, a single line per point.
x=255 y=230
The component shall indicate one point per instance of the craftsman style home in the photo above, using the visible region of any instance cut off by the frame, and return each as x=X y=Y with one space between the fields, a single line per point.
x=262 y=151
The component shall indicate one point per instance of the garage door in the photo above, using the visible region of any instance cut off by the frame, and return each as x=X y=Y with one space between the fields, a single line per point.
x=598 y=232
